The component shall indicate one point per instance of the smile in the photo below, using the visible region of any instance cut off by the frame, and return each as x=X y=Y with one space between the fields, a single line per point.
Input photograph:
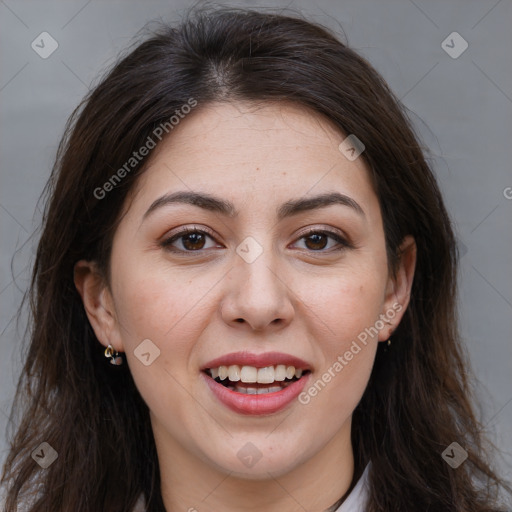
x=269 y=379
x=257 y=388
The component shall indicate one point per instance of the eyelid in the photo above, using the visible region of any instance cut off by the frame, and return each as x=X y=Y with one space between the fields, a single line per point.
x=181 y=231
x=328 y=231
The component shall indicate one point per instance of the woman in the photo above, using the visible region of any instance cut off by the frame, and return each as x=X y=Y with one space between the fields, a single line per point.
x=242 y=222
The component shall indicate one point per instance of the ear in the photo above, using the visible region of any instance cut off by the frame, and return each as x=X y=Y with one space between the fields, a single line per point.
x=98 y=303
x=398 y=290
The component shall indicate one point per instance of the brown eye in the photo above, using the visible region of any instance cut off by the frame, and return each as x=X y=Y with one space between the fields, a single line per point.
x=187 y=240
x=193 y=241
x=318 y=241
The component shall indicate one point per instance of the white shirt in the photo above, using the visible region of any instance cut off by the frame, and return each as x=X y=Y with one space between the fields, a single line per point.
x=355 y=501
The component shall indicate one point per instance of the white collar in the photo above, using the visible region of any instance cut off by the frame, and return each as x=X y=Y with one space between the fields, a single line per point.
x=356 y=500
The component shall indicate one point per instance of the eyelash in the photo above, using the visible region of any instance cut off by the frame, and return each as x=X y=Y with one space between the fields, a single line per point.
x=344 y=244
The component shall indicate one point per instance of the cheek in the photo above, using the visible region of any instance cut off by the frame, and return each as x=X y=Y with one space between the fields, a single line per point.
x=170 y=308
x=346 y=311
x=347 y=350
x=152 y=304
x=346 y=305
x=155 y=303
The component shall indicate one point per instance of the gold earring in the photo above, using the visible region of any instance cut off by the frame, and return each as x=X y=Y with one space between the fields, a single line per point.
x=117 y=359
x=389 y=342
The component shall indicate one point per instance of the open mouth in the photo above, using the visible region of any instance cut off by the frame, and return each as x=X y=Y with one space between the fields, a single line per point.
x=250 y=380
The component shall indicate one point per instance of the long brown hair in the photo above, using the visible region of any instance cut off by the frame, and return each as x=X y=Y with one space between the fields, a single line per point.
x=418 y=399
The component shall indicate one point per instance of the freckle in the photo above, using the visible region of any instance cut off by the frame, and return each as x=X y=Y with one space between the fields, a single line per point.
x=361 y=288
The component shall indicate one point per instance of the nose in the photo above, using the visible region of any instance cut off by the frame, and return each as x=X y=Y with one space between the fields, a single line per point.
x=258 y=295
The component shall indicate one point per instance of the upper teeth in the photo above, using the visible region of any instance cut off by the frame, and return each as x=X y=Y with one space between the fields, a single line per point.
x=265 y=375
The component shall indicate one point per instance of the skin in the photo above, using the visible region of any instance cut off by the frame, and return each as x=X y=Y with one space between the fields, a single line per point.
x=301 y=296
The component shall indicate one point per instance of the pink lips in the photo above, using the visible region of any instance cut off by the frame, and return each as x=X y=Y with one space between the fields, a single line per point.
x=267 y=403
x=256 y=404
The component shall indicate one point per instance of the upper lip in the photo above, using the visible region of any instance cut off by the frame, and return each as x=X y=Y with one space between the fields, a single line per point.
x=257 y=360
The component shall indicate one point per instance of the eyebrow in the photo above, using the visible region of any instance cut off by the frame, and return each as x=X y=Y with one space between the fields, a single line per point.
x=227 y=208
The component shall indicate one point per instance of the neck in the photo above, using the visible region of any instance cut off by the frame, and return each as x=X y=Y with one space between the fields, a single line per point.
x=195 y=485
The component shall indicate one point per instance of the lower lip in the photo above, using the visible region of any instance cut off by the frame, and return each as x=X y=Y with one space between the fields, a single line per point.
x=257 y=404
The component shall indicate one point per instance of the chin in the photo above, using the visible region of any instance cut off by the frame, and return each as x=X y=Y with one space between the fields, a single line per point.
x=251 y=463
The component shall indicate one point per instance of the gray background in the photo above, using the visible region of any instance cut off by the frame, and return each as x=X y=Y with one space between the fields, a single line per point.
x=462 y=110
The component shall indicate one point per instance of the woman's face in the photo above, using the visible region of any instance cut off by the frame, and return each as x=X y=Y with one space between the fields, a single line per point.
x=271 y=279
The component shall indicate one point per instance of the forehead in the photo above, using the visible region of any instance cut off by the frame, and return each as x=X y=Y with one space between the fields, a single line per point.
x=247 y=151
x=232 y=132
